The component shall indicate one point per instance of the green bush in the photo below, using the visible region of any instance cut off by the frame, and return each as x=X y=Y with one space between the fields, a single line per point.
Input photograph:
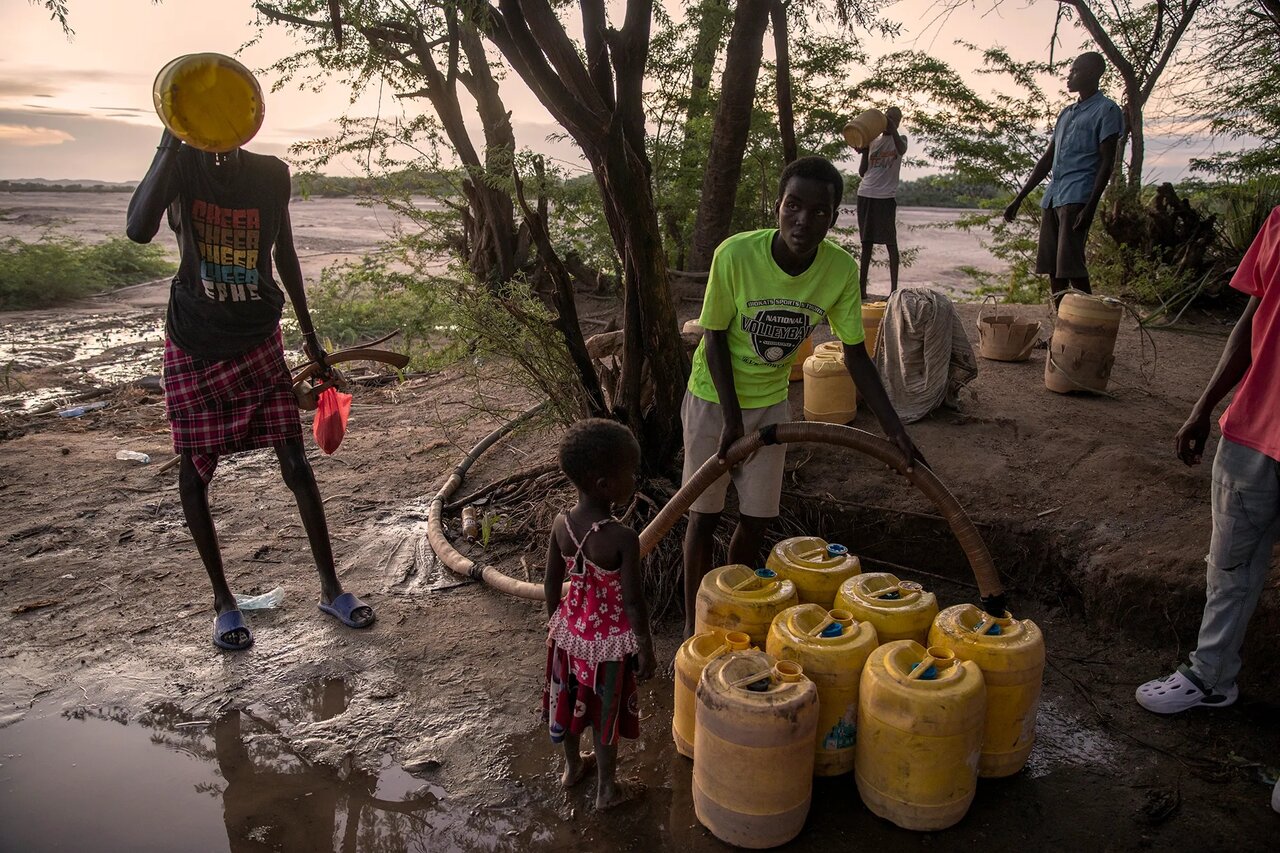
x=380 y=293
x=57 y=268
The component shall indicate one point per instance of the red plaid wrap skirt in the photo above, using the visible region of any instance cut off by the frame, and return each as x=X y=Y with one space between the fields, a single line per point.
x=239 y=403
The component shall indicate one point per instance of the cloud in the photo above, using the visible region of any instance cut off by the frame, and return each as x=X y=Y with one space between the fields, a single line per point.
x=26 y=136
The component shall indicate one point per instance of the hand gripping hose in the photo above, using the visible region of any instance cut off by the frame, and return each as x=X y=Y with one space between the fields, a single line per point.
x=984 y=570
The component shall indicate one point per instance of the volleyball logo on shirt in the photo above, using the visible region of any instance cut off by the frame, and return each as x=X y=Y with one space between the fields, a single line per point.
x=776 y=333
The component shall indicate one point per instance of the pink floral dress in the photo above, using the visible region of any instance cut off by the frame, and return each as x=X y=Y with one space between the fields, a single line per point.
x=591 y=653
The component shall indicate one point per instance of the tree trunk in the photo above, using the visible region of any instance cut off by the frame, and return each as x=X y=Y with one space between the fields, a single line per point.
x=729 y=136
x=712 y=17
x=781 y=48
x=607 y=122
x=1137 y=147
x=711 y=20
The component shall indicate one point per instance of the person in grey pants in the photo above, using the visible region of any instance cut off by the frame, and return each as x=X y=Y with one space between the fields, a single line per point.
x=1246 y=488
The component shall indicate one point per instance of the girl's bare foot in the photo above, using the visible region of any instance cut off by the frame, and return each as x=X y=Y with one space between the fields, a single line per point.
x=576 y=771
x=615 y=793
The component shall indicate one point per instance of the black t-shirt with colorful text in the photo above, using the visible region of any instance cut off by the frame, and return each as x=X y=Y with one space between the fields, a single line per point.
x=224 y=300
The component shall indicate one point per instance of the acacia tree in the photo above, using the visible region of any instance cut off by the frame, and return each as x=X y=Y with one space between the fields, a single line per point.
x=734 y=113
x=597 y=95
x=425 y=52
x=1139 y=39
x=1235 y=80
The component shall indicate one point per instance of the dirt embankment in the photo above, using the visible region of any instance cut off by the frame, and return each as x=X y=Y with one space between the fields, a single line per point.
x=1101 y=532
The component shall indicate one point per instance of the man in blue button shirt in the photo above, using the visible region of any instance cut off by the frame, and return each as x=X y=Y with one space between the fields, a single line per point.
x=1082 y=155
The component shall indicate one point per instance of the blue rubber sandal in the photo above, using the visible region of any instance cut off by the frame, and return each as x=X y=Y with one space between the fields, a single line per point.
x=232 y=620
x=343 y=606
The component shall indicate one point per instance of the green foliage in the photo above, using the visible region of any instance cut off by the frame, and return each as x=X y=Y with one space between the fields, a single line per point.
x=984 y=140
x=1235 y=81
x=515 y=327
x=383 y=292
x=939 y=191
x=57 y=268
x=412 y=181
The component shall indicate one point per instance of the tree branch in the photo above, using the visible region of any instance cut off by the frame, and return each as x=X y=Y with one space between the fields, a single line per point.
x=594 y=25
x=510 y=34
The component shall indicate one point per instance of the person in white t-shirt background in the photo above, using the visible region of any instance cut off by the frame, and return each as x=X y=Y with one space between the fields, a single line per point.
x=879 y=167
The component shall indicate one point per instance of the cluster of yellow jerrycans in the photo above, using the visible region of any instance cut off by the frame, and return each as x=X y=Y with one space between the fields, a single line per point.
x=858 y=672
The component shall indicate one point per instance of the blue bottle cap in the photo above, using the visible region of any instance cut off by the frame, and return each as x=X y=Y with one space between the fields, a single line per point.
x=892 y=596
x=995 y=630
x=766 y=573
x=834 y=550
x=929 y=674
x=835 y=629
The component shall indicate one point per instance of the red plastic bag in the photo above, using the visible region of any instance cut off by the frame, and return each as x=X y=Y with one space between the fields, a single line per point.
x=332 y=410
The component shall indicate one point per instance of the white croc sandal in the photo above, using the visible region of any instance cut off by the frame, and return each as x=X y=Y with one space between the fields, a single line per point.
x=1176 y=693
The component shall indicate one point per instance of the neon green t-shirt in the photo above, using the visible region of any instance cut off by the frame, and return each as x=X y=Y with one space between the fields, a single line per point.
x=768 y=313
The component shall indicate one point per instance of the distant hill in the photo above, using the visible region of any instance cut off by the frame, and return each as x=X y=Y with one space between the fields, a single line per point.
x=65 y=185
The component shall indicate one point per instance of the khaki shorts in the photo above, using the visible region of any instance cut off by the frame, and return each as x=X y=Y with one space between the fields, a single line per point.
x=758 y=479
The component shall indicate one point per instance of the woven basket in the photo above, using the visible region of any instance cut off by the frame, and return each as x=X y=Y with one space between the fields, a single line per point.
x=1006 y=337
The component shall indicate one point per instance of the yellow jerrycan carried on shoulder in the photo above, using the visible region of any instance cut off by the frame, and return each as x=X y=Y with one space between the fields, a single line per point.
x=691 y=658
x=862 y=130
x=209 y=101
x=899 y=610
x=753 y=769
x=815 y=566
x=832 y=649
x=920 y=721
x=1010 y=653
x=737 y=598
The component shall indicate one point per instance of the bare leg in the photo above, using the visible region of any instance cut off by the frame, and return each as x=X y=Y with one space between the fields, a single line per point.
x=748 y=540
x=864 y=267
x=298 y=476
x=609 y=791
x=194 y=493
x=893 y=266
x=576 y=764
x=699 y=542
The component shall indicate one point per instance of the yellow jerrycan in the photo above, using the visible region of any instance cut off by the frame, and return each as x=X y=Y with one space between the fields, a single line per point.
x=829 y=393
x=691 y=658
x=737 y=598
x=1084 y=339
x=1010 y=653
x=815 y=566
x=832 y=649
x=920 y=720
x=872 y=317
x=802 y=352
x=864 y=128
x=209 y=101
x=753 y=771
x=899 y=610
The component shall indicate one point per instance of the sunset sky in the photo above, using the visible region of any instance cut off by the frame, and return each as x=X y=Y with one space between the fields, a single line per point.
x=82 y=108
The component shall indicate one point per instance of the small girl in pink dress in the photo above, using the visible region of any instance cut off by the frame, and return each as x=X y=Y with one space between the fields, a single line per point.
x=598 y=639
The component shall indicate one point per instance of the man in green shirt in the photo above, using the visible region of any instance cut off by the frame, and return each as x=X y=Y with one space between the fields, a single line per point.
x=766 y=291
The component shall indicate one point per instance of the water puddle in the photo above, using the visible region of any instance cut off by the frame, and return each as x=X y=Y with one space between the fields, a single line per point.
x=87 y=348
x=99 y=779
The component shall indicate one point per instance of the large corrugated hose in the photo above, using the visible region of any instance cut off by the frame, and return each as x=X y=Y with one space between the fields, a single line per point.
x=984 y=569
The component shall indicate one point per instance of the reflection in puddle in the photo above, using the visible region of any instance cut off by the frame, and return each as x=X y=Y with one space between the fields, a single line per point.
x=105 y=349
x=163 y=781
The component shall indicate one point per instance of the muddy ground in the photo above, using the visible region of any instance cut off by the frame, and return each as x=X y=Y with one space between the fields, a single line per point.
x=123 y=727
